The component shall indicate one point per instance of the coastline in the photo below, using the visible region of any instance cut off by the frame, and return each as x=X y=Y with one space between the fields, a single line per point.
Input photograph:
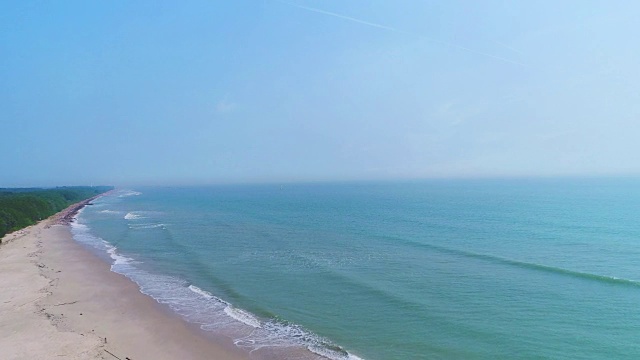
x=59 y=300
x=65 y=217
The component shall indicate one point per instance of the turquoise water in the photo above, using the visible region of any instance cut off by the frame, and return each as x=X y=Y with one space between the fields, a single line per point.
x=527 y=269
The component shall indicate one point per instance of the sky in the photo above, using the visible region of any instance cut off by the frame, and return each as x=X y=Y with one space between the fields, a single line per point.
x=199 y=92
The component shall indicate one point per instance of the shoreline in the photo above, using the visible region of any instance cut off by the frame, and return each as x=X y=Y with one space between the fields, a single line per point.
x=65 y=217
x=60 y=300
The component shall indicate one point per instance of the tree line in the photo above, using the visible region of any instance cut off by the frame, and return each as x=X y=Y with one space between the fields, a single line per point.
x=20 y=208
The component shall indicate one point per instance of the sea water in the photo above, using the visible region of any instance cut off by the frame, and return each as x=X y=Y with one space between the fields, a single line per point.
x=447 y=269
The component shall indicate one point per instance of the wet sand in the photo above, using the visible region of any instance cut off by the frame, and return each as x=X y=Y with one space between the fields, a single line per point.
x=60 y=301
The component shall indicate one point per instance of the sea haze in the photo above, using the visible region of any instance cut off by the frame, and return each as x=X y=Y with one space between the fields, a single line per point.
x=465 y=269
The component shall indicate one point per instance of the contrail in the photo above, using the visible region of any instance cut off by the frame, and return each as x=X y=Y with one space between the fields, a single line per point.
x=389 y=28
x=508 y=47
x=379 y=26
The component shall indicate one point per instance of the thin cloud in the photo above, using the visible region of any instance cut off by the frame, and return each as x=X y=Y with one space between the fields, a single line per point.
x=389 y=28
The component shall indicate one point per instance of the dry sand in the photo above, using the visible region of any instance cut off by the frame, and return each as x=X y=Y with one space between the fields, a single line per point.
x=59 y=301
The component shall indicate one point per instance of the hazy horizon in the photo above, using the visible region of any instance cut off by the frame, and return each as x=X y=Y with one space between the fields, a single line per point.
x=555 y=179
x=273 y=91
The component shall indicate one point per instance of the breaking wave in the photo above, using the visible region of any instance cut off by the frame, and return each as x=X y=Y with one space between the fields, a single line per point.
x=212 y=313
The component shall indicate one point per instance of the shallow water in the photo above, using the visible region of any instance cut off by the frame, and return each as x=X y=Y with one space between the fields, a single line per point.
x=485 y=269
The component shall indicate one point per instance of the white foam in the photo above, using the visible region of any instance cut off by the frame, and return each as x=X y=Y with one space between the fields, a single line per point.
x=201 y=292
x=332 y=354
x=109 y=212
x=117 y=258
x=78 y=226
x=75 y=217
x=210 y=312
x=126 y=193
x=146 y=226
x=133 y=216
x=242 y=316
x=82 y=234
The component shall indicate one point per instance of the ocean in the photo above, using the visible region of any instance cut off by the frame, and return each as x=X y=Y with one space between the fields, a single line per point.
x=438 y=269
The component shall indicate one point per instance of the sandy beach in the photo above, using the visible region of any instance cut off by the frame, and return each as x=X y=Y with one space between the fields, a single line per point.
x=60 y=301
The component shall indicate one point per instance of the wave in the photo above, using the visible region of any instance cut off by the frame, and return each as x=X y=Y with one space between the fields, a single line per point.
x=274 y=332
x=558 y=270
x=82 y=234
x=238 y=314
x=278 y=333
x=133 y=216
x=117 y=258
x=333 y=354
x=126 y=193
x=210 y=312
x=207 y=294
x=532 y=266
x=242 y=316
x=147 y=226
x=270 y=333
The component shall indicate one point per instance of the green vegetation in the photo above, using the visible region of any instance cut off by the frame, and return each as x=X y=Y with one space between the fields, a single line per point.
x=20 y=208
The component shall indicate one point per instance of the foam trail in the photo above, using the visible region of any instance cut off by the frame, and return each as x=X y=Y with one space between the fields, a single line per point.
x=389 y=28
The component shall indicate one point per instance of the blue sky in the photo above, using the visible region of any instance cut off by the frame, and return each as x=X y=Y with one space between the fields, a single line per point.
x=196 y=92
